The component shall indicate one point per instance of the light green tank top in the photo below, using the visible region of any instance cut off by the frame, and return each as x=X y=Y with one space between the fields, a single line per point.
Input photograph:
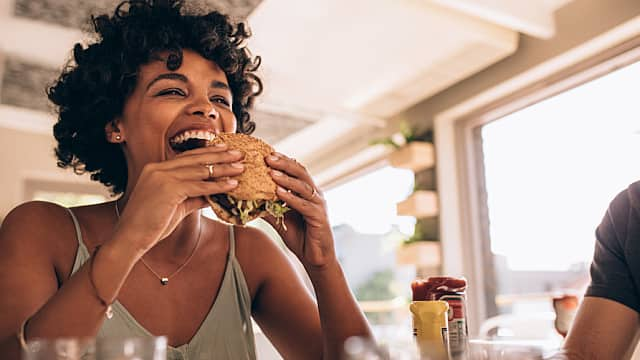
x=226 y=332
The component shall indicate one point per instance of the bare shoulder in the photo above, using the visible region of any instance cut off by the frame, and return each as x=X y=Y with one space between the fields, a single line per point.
x=259 y=256
x=34 y=219
x=253 y=237
x=37 y=229
x=253 y=244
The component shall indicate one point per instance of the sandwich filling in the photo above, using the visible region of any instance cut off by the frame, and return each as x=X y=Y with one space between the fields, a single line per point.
x=246 y=210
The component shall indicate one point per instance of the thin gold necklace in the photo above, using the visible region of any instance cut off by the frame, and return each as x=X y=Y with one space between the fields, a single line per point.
x=164 y=280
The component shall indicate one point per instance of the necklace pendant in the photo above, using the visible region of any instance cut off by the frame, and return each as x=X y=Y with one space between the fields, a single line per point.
x=164 y=281
x=109 y=312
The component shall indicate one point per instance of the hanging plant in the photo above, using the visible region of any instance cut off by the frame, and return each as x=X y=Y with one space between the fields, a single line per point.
x=399 y=139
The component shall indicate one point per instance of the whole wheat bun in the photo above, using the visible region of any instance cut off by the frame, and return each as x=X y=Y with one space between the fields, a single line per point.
x=255 y=182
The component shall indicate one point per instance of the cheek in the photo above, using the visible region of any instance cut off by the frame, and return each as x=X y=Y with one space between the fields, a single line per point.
x=229 y=124
x=157 y=118
x=148 y=127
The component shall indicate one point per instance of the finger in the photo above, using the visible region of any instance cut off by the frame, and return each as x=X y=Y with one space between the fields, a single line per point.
x=303 y=206
x=194 y=189
x=213 y=157
x=298 y=186
x=289 y=166
x=201 y=172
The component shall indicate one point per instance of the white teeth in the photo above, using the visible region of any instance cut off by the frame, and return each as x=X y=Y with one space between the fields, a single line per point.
x=192 y=134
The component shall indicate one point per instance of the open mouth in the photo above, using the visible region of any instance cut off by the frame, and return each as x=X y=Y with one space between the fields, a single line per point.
x=191 y=139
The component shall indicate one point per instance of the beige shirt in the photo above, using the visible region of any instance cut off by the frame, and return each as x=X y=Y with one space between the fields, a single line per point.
x=226 y=332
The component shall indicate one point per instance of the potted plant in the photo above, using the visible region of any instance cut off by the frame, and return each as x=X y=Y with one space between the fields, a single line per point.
x=416 y=153
x=412 y=152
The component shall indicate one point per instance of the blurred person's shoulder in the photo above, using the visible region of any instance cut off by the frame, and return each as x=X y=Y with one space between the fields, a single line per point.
x=624 y=209
x=632 y=197
x=627 y=200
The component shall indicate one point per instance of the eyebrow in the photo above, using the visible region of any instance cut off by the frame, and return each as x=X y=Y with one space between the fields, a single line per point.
x=216 y=84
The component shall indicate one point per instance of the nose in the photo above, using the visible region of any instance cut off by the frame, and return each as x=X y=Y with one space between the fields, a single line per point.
x=205 y=109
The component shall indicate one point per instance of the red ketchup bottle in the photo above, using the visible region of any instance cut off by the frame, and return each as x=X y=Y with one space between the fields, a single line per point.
x=452 y=290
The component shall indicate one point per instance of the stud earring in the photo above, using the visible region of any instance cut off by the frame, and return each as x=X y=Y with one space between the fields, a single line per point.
x=118 y=137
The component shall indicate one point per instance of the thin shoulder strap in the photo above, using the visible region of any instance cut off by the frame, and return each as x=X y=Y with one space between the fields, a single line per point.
x=76 y=224
x=232 y=242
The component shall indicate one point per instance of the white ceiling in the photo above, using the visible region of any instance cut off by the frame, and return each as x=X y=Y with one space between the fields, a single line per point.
x=347 y=65
x=352 y=56
x=533 y=18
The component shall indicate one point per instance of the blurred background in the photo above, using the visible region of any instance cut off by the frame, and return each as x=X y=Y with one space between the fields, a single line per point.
x=475 y=138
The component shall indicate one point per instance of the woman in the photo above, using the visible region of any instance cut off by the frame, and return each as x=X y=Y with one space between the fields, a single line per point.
x=149 y=263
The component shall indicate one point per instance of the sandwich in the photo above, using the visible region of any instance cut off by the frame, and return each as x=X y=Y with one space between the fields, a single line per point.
x=255 y=196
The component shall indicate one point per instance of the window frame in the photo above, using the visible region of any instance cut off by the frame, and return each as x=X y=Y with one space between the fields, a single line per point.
x=464 y=213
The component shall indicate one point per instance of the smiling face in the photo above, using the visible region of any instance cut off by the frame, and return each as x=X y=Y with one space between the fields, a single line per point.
x=167 y=107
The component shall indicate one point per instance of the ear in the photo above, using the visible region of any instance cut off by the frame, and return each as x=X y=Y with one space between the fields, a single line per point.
x=113 y=132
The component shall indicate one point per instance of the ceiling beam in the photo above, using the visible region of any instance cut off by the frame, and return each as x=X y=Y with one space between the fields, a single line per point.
x=38 y=42
x=18 y=118
x=534 y=18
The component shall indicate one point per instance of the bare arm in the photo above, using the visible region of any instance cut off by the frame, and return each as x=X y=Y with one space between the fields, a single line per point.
x=340 y=315
x=602 y=329
x=299 y=327
x=29 y=284
x=309 y=236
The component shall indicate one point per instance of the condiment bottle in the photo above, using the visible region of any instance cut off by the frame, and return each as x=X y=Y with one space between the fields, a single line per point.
x=452 y=291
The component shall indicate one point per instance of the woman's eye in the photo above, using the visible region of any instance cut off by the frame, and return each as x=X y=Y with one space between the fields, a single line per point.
x=220 y=100
x=172 y=92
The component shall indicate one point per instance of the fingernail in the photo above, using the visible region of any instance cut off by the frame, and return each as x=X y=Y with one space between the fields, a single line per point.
x=273 y=158
x=232 y=182
x=235 y=152
x=220 y=145
x=281 y=190
x=276 y=173
x=237 y=165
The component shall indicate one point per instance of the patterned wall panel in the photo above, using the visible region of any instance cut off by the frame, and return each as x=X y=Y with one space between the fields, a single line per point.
x=24 y=84
x=76 y=13
x=274 y=127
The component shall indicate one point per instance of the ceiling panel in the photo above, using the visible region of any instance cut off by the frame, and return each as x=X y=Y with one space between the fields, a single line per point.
x=75 y=14
x=24 y=84
x=27 y=67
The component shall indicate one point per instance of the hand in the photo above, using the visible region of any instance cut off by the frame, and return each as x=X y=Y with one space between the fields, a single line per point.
x=166 y=192
x=308 y=233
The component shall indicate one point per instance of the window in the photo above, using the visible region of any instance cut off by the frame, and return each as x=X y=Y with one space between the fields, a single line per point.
x=542 y=167
x=367 y=232
x=550 y=172
x=65 y=194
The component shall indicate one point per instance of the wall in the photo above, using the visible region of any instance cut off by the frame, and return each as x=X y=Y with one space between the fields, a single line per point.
x=578 y=22
x=29 y=156
x=585 y=28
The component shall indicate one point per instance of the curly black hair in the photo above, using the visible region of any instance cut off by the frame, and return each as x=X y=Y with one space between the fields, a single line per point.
x=93 y=87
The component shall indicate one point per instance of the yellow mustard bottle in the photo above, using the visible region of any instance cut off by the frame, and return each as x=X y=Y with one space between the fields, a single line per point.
x=430 y=328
